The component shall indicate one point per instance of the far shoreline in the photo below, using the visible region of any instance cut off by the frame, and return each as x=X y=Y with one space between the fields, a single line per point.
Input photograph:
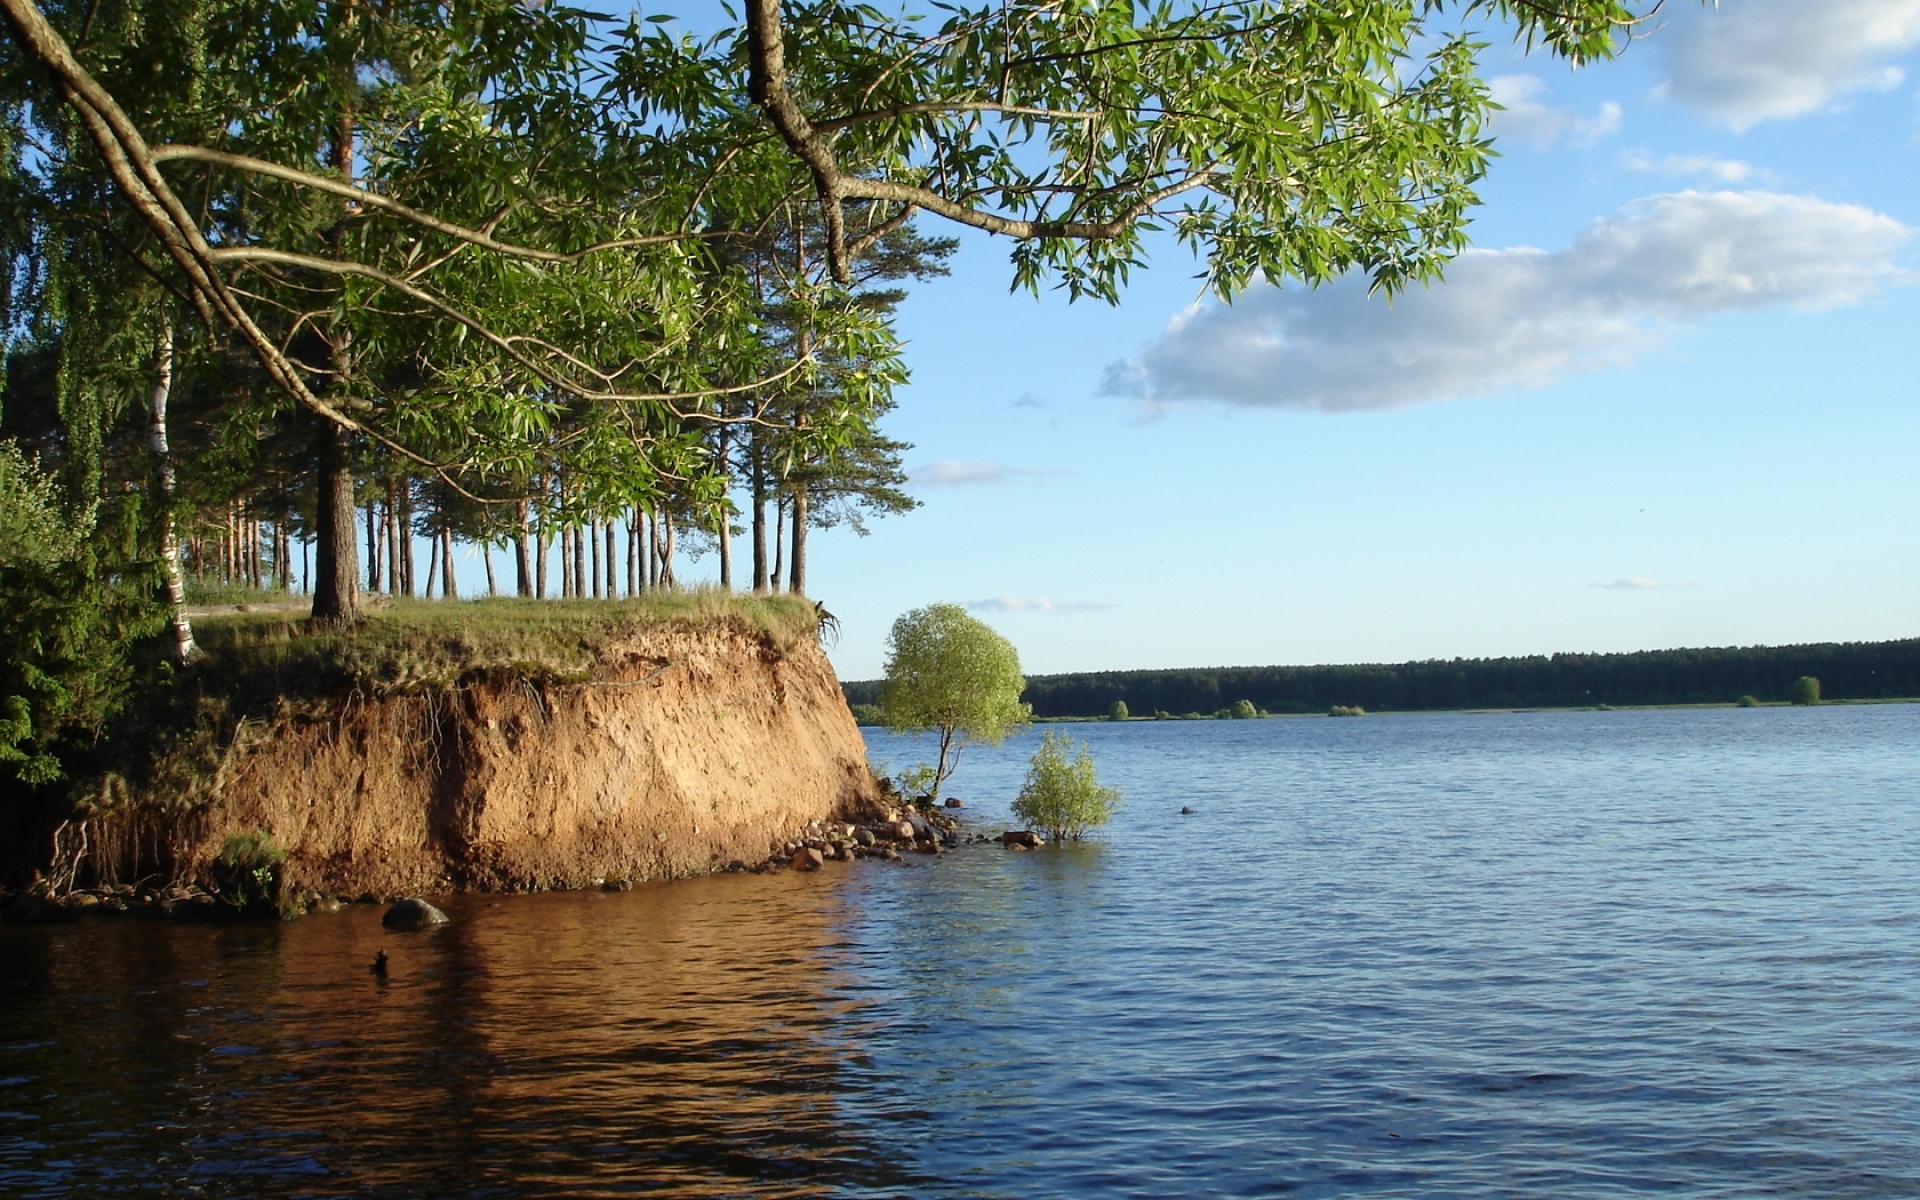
x=1479 y=712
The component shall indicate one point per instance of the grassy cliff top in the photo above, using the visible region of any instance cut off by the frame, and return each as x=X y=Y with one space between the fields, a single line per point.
x=418 y=645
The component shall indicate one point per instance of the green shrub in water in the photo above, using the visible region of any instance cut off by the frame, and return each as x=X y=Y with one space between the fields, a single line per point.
x=1061 y=794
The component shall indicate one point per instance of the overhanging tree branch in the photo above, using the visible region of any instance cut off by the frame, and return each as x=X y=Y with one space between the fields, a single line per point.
x=376 y=201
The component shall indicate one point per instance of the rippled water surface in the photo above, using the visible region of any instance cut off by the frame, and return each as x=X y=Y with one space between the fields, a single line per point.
x=1552 y=954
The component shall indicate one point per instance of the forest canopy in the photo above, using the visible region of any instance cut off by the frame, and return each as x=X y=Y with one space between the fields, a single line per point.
x=1716 y=675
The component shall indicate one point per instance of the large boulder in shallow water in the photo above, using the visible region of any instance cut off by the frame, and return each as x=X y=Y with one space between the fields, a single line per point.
x=413 y=913
x=806 y=858
x=1020 y=839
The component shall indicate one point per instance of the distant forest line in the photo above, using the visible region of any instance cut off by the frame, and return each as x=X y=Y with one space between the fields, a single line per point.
x=1846 y=671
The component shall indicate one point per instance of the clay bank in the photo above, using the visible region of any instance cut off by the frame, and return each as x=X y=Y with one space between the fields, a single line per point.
x=491 y=749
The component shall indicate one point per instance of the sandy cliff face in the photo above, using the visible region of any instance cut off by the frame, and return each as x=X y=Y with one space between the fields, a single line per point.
x=690 y=748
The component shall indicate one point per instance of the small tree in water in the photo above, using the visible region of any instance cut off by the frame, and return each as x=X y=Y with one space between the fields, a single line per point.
x=948 y=672
x=1805 y=690
x=1061 y=794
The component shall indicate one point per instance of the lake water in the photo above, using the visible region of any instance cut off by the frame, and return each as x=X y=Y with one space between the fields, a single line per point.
x=1556 y=954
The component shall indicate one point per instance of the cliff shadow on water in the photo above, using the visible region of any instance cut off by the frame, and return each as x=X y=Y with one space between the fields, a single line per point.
x=493 y=745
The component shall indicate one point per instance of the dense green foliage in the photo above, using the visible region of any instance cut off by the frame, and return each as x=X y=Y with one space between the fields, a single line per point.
x=1847 y=671
x=1805 y=690
x=950 y=673
x=69 y=617
x=1061 y=794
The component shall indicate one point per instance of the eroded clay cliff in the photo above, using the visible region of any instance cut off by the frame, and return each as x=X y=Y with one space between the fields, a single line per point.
x=689 y=747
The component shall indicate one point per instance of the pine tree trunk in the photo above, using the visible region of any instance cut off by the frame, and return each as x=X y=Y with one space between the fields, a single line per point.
x=486 y=556
x=637 y=550
x=760 y=578
x=449 y=582
x=723 y=524
x=409 y=580
x=336 y=592
x=663 y=548
x=779 y=542
x=373 y=547
x=522 y=564
x=633 y=563
x=797 y=571
x=433 y=564
x=541 y=537
x=184 y=650
x=579 y=566
x=593 y=554
x=613 y=559
x=391 y=537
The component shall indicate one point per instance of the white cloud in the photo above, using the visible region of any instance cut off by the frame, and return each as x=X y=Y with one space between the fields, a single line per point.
x=1523 y=116
x=1521 y=317
x=1630 y=585
x=977 y=472
x=1023 y=604
x=1752 y=60
x=1719 y=170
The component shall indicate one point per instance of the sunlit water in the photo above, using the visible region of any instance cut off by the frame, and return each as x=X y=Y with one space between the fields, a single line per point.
x=1531 y=955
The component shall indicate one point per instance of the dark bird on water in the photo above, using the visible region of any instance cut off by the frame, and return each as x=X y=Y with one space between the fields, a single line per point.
x=379 y=967
x=1185 y=811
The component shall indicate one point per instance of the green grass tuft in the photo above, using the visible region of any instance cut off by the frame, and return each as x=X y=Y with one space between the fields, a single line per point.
x=414 y=646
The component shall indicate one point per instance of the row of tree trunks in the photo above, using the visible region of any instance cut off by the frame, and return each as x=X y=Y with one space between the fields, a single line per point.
x=243 y=550
x=768 y=566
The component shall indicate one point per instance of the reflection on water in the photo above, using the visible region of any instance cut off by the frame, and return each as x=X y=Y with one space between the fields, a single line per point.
x=1536 y=954
x=684 y=1037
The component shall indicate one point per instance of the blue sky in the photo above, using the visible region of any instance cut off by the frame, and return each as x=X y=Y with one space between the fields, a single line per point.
x=1668 y=400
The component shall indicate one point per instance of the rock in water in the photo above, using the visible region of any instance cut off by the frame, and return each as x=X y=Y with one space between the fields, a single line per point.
x=955 y=802
x=1020 y=839
x=806 y=858
x=413 y=913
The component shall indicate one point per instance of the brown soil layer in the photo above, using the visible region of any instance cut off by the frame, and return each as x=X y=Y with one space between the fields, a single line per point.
x=690 y=747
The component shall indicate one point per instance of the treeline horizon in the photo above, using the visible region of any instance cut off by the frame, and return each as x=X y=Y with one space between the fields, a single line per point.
x=1705 y=675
